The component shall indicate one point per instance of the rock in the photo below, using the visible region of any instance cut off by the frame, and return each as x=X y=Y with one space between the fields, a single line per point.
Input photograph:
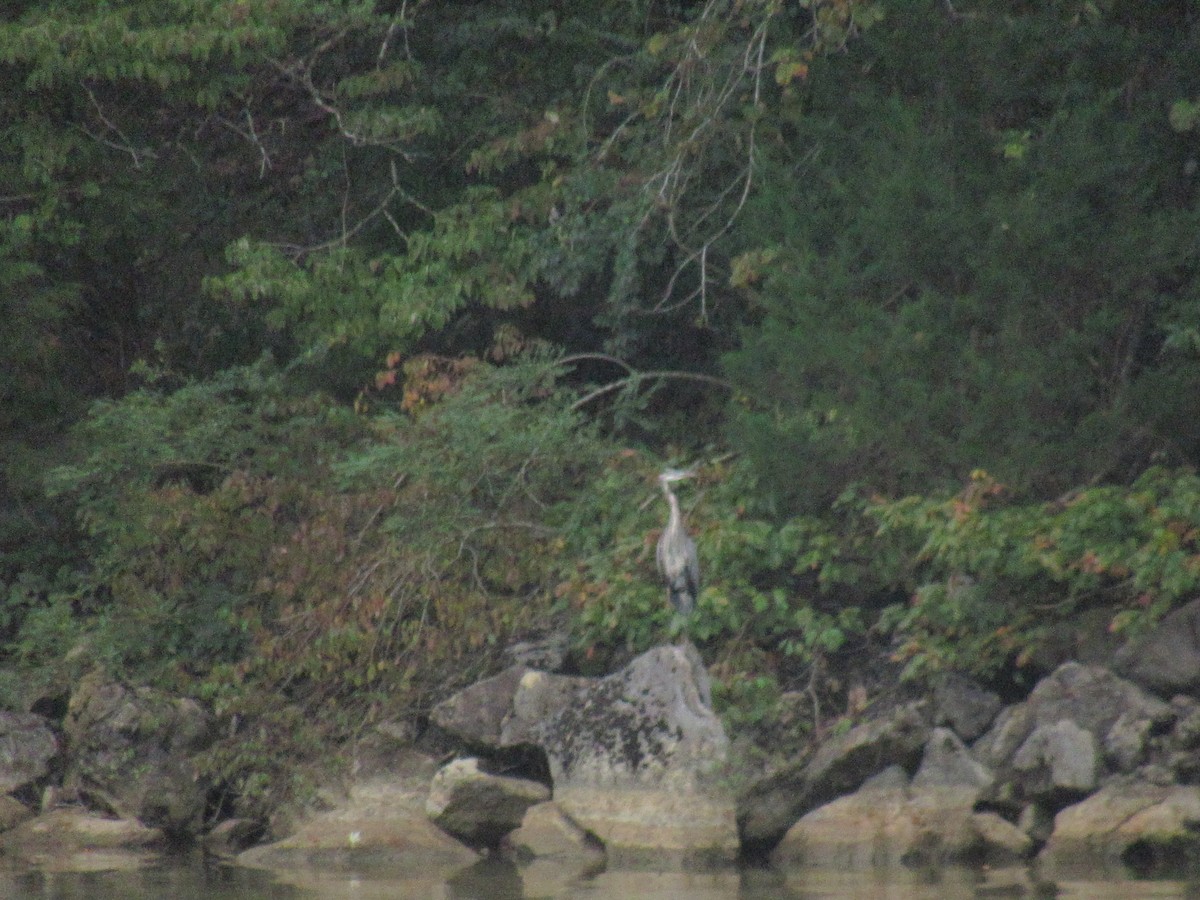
x=1128 y=740
x=964 y=706
x=650 y=724
x=1167 y=659
x=1037 y=821
x=635 y=757
x=479 y=808
x=1010 y=730
x=1079 y=725
x=887 y=824
x=131 y=751
x=475 y=715
x=1185 y=735
x=1154 y=829
x=231 y=837
x=547 y=833
x=1056 y=760
x=13 y=812
x=27 y=749
x=1182 y=743
x=840 y=765
x=76 y=840
x=378 y=824
x=999 y=839
x=948 y=763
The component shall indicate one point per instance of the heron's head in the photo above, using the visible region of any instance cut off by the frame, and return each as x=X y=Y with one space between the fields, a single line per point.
x=670 y=476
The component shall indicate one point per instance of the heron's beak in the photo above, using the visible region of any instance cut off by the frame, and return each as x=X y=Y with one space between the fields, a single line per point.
x=672 y=475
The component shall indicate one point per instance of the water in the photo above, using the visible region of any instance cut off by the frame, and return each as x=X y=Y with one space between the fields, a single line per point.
x=193 y=879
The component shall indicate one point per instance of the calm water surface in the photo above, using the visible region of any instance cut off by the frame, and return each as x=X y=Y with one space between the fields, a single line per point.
x=196 y=880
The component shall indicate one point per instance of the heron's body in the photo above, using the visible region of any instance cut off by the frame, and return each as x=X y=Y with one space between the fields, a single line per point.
x=677 y=559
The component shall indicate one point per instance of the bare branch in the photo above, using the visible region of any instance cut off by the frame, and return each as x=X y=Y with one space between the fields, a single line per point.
x=125 y=145
x=638 y=377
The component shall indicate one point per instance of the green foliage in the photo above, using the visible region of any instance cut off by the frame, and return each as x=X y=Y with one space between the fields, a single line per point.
x=990 y=577
x=746 y=702
x=183 y=495
x=963 y=239
x=439 y=542
x=968 y=256
x=767 y=589
x=474 y=254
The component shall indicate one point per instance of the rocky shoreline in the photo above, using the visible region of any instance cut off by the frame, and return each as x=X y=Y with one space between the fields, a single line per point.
x=1098 y=766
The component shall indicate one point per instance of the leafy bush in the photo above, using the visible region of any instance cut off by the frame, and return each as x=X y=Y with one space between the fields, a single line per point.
x=989 y=578
x=184 y=495
x=773 y=602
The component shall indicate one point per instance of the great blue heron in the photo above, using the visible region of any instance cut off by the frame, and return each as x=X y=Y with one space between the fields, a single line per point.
x=677 y=560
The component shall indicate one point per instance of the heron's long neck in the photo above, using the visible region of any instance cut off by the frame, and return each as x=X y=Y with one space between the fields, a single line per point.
x=676 y=518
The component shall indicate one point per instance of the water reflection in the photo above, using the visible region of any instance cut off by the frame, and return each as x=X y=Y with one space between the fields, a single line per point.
x=488 y=879
x=190 y=880
x=193 y=879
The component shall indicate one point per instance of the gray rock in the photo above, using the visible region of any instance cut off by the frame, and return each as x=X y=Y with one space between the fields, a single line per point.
x=635 y=757
x=1167 y=659
x=1185 y=734
x=964 y=706
x=1150 y=828
x=1057 y=759
x=649 y=724
x=231 y=837
x=996 y=748
x=76 y=840
x=1127 y=741
x=841 y=765
x=476 y=714
x=1091 y=697
x=948 y=763
x=27 y=749
x=479 y=808
x=131 y=751
x=889 y=824
x=375 y=823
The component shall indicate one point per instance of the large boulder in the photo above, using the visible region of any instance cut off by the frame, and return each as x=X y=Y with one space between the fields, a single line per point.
x=1152 y=828
x=131 y=751
x=1057 y=760
x=477 y=807
x=13 y=812
x=28 y=749
x=1079 y=725
x=1167 y=659
x=74 y=839
x=376 y=823
x=964 y=706
x=839 y=766
x=476 y=715
x=891 y=822
x=947 y=763
x=635 y=758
